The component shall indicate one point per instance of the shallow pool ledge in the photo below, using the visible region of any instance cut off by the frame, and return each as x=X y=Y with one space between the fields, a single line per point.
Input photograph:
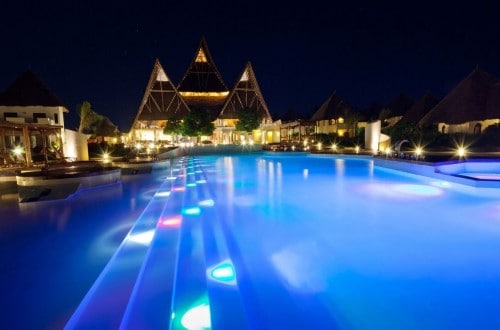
x=445 y=172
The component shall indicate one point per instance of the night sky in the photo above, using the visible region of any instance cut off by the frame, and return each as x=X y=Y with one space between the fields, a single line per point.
x=104 y=53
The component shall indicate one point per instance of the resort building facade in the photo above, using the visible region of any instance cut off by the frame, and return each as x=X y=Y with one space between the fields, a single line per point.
x=32 y=125
x=202 y=87
x=472 y=106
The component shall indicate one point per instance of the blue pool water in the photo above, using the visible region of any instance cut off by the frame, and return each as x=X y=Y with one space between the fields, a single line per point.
x=270 y=241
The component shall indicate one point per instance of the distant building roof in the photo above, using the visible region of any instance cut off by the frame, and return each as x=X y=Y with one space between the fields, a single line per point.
x=29 y=90
x=333 y=108
x=400 y=105
x=420 y=108
x=474 y=98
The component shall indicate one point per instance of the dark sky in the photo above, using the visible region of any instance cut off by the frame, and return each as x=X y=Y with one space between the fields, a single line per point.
x=104 y=51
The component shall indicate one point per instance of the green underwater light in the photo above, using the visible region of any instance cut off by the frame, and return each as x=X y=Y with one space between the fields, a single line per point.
x=223 y=272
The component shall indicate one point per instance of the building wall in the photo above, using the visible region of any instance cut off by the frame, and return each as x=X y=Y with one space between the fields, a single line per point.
x=55 y=115
x=471 y=127
x=75 y=145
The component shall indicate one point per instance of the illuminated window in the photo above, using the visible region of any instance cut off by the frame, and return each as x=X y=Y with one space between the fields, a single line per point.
x=161 y=76
x=244 y=77
x=201 y=56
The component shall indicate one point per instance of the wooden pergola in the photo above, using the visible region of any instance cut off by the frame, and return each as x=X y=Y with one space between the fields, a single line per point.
x=25 y=131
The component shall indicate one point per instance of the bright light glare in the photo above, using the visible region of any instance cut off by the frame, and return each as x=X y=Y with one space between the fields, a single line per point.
x=18 y=151
x=418 y=151
x=144 y=238
x=197 y=317
x=461 y=151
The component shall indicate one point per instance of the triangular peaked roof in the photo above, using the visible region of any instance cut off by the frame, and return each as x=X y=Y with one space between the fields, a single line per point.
x=420 y=108
x=246 y=93
x=202 y=74
x=161 y=101
x=333 y=108
x=400 y=105
x=29 y=90
x=472 y=99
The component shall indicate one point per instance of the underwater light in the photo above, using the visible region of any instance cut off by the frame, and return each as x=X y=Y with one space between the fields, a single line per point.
x=144 y=238
x=178 y=189
x=223 y=272
x=197 y=317
x=171 y=177
x=207 y=202
x=191 y=210
x=162 y=194
x=190 y=184
x=174 y=221
x=201 y=181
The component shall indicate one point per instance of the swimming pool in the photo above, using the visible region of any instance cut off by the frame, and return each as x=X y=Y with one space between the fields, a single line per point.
x=270 y=241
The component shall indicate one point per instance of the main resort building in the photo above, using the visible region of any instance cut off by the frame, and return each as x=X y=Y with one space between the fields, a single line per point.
x=201 y=87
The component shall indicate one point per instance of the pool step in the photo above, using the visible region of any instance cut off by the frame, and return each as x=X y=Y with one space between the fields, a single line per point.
x=151 y=298
x=105 y=303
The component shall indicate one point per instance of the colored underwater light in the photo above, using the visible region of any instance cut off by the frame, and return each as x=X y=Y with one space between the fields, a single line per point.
x=191 y=185
x=174 y=221
x=191 y=210
x=178 y=189
x=223 y=272
x=201 y=181
x=197 y=317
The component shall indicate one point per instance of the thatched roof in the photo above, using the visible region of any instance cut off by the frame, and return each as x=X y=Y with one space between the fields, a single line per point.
x=161 y=100
x=202 y=75
x=400 y=105
x=333 y=108
x=420 y=108
x=474 y=98
x=29 y=90
x=246 y=93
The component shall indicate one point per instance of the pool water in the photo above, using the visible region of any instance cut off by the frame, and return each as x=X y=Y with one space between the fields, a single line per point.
x=51 y=252
x=271 y=241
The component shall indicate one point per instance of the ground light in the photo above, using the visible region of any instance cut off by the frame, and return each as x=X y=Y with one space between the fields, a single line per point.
x=461 y=151
x=418 y=152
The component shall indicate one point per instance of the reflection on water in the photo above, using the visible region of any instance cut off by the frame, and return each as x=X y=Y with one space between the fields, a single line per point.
x=53 y=251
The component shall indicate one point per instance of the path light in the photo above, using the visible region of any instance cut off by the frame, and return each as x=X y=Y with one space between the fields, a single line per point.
x=334 y=146
x=418 y=151
x=387 y=151
x=105 y=156
x=319 y=145
x=461 y=151
x=357 y=149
